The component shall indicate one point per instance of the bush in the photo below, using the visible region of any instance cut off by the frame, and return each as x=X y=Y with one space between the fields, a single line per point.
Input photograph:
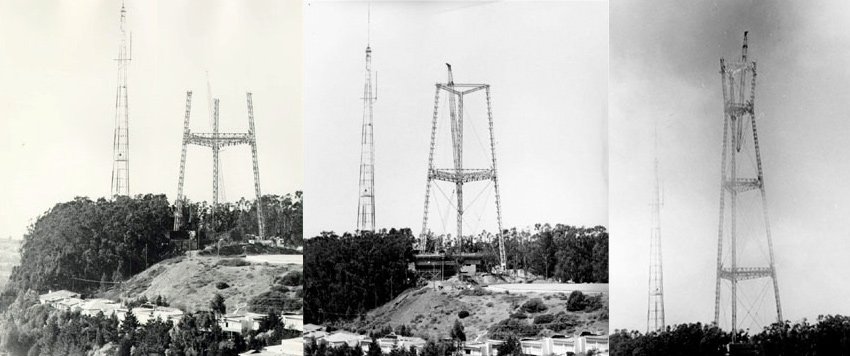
x=576 y=302
x=294 y=278
x=534 y=306
x=222 y=285
x=544 y=319
x=476 y=291
x=463 y=314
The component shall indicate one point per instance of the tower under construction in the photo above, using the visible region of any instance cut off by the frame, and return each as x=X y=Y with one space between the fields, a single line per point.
x=216 y=141
x=743 y=229
x=366 y=204
x=459 y=175
x=121 y=141
x=655 y=311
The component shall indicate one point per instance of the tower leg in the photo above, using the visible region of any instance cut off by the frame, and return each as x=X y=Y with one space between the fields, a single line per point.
x=215 y=150
x=178 y=201
x=424 y=235
x=502 y=258
x=261 y=226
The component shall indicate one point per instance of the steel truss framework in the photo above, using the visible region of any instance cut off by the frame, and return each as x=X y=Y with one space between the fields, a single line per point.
x=121 y=138
x=366 y=203
x=738 y=105
x=216 y=141
x=458 y=174
x=655 y=311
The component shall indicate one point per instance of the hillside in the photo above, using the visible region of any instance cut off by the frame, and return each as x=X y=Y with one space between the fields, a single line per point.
x=189 y=282
x=430 y=312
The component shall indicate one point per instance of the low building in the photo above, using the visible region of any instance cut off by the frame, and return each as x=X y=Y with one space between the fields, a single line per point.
x=340 y=338
x=51 y=297
x=294 y=321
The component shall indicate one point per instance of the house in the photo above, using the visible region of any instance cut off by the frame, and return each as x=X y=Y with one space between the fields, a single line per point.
x=92 y=307
x=595 y=342
x=340 y=338
x=288 y=347
x=69 y=304
x=294 y=321
x=51 y=297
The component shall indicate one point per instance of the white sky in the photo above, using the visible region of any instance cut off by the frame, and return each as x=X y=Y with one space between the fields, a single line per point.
x=547 y=64
x=57 y=98
x=664 y=66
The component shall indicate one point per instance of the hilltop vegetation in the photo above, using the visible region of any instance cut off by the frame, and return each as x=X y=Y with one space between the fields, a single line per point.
x=349 y=275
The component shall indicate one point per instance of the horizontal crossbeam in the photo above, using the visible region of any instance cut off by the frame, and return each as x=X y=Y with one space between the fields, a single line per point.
x=461 y=176
x=743 y=184
x=222 y=139
x=743 y=273
x=457 y=88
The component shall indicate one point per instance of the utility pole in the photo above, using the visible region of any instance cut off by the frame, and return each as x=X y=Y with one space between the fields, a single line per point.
x=459 y=175
x=120 y=185
x=739 y=81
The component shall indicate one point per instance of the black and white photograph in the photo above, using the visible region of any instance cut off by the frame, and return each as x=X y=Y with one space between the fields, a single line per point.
x=153 y=173
x=728 y=138
x=456 y=167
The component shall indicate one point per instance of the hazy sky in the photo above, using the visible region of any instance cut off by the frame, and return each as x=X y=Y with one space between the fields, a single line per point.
x=664 y=67
x=547 y=64
x=57 y=98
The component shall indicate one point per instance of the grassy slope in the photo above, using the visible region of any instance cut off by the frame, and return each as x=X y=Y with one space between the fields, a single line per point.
x=189 y=283
x=431 y=312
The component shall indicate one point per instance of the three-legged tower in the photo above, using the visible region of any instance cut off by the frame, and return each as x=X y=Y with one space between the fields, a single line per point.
x=121 y=138
x=216 y=141
x=743 y=231
x=459 y=175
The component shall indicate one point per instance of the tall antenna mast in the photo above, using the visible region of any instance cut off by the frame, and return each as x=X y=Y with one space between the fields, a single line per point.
x=366 y=203
x=121 y=145
x=655 y=312
x=214 y=125
x=738 y=104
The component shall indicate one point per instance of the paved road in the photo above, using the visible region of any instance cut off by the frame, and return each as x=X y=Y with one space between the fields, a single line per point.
x=276 y=259
x=592 y=288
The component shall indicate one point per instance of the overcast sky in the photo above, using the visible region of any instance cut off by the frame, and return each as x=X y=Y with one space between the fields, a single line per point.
x=664 y=67
x=547 y=64
x=57 y=98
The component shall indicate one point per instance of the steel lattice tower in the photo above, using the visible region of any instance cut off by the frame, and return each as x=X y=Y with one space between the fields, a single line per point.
x=460 y=175
x=655 y=312
x=121 y=140
x=739 y=82
x=216 y=141
x=366 y=206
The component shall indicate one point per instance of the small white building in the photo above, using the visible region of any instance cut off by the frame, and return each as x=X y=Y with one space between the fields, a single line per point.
x=51 y=296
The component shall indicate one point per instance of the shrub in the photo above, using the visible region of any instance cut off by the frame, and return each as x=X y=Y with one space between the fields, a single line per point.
x=544 y=319
x=534 y=306
x=576 y=301
x=294 y=278
x=463 y=314
x=222 y=285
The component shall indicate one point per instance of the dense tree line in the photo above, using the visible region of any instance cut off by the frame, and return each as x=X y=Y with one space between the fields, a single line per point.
x=282 y=215
x=81 y=241
x=562 y=252
x=347 y=275
x=30 y=328
x=830 y=335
